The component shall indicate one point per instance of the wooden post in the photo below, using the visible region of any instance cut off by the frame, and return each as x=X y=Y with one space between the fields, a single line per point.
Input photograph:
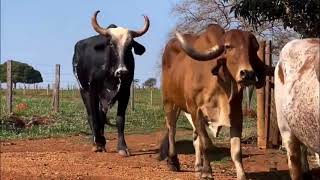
x=151 y=98
x=24 y=88
x=9 y=87
x=56 y=89
x=132 y=97
x=48 y=89
x=267 y=106
x=274 y=130
x=262 y=141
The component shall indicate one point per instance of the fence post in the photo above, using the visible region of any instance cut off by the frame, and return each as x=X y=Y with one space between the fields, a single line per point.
x=132 y=97
x=24 y=88
x=270 y=117
x=262 y=142
x=151 y=98
x=48 y=89
x=9 y=87
x=56 y=89
x=274 y=129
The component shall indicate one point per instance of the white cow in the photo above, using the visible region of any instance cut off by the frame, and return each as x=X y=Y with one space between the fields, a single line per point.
x=297 y=101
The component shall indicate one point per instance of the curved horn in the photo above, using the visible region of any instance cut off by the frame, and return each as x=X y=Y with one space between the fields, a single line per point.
x=213 y=52
x=143 y=30
x=96 y=26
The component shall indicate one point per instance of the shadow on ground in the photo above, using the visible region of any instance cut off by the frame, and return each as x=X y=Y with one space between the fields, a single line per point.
x=282 y=175
x=215 y=153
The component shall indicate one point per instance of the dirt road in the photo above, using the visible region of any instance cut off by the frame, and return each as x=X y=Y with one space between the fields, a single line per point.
x=71 y=158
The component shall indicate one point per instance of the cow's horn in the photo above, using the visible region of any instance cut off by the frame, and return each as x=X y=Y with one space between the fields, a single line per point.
x=96 y=26
x=143 y=30
x=210 y=54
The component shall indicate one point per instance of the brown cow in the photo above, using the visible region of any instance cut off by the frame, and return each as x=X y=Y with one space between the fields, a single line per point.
x=297 y=83
x=208 y=85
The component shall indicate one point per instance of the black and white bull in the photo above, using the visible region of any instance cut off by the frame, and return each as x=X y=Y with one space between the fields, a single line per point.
x=104 y=68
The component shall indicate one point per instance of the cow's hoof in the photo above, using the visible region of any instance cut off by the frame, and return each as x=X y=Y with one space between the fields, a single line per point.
x=124 y=153
x=206 y=176
x=173 y=164
x=173 y=167
x=97 y=148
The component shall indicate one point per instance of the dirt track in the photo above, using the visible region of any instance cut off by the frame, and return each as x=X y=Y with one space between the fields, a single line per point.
x=71 y=158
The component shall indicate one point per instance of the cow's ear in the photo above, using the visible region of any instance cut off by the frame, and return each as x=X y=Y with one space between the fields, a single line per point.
x=139 y=49
x=218 y=69
x=254 y=45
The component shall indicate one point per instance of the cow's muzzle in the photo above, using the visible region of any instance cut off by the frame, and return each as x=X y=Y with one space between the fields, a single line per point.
x=247 y=77
x=121 y=72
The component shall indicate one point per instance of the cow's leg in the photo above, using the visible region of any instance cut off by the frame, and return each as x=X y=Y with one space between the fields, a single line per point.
x=123 y=99
x=304 y=162
x=103 y=119
x=196 y=145
x=204 y=142
x=292 y=145
x=91 y=102
x=171 y=120
x=318 y=158
x=236 y=154
x=86 y=100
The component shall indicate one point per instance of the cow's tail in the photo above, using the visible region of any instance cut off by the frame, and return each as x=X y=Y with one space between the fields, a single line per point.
x=164 y=148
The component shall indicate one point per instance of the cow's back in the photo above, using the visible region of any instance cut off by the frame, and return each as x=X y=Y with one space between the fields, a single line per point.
x=297 y=90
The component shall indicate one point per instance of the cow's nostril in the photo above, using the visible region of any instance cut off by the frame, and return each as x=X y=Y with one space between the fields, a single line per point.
x=243 y=74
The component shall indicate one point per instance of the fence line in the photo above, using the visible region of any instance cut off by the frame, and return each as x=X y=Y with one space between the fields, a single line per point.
x=267 y=132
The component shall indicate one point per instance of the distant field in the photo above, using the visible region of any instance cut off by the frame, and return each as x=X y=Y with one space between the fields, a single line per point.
x=35 y=107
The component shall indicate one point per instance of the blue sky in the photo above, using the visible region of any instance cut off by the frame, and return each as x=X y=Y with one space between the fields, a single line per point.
x=43 y=33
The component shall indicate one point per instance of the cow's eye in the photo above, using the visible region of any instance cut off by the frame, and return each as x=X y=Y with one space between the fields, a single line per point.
x=228 y=46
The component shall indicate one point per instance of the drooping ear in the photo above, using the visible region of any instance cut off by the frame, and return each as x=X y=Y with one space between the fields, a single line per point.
x=139 y=49
x=254 y=45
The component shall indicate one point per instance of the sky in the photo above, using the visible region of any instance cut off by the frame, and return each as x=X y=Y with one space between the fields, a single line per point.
x=43 y=33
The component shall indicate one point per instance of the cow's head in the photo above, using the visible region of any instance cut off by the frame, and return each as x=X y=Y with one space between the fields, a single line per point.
x=237 y=51
x=122 y=41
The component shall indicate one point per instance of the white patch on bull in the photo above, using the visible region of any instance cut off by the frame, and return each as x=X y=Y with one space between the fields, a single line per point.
x=103 y=67
x=107 y=98
x=121 y=36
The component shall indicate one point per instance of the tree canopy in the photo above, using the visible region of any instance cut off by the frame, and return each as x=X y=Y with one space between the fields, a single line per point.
x=151 y=82
x=194 y=15
x=21 y=73
x=302 y=16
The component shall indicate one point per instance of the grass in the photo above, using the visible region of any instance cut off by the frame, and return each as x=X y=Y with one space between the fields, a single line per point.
x=72 y=118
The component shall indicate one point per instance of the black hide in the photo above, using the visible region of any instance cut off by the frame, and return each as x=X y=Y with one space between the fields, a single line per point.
x=94 y=65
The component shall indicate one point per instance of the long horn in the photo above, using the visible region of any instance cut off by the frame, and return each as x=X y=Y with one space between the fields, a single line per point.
x=143 y=30
x=210 y=54
x=96 y=26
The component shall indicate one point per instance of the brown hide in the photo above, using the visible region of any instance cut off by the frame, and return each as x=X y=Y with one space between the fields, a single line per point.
x=193 y=85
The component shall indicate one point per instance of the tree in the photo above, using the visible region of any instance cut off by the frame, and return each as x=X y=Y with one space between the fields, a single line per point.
x=194 y=15
x=302 y=16
x=151 y=82
x=21 y=73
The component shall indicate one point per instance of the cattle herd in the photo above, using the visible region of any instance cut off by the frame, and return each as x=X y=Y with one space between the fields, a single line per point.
x=203 y=75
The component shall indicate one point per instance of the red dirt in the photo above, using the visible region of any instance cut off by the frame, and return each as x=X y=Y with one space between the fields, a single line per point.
x=71 y=158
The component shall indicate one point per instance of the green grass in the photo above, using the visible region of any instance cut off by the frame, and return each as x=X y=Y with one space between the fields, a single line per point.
x=72 y=118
